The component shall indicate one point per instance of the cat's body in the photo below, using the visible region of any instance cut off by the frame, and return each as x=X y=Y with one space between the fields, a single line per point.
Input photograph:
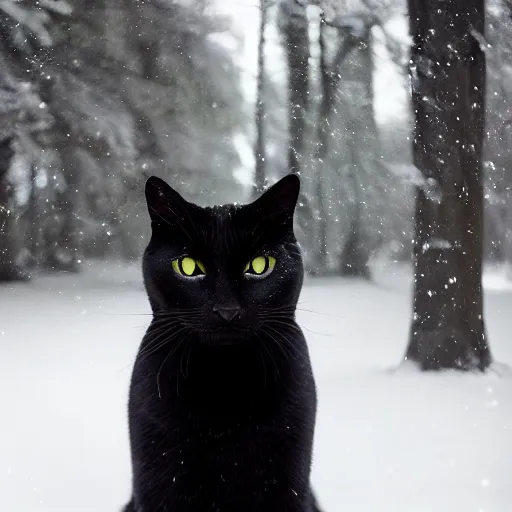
x=222 y=401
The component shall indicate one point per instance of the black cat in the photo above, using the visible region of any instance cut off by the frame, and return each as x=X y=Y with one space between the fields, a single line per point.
x=222 y=401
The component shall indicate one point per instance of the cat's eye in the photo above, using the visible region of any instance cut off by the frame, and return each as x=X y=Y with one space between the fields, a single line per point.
x=188 y=267
x=260 y=266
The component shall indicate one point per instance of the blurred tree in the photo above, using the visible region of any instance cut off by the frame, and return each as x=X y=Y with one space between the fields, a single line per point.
x=328 y=83
x=53 y=45
x=349 y=180
x=275 y=95
x=9 y=269
x=354 y=65
x=448 y=93
x=498 y=168
x=260 y=178
x=21 y=112
x=294 y=26
x=126 y=103
x=187 y=88
x=10 y=103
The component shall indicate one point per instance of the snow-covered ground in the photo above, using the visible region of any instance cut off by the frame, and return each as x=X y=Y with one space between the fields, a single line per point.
x=386 y=442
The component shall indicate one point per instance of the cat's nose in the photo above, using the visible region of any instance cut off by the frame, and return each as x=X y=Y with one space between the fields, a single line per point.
x=228 y=313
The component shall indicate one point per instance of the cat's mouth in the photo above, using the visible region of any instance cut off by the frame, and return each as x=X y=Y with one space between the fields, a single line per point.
x=225 y=335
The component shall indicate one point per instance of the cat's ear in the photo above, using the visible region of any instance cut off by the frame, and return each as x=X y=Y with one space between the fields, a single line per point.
x=164 y=203
x=279 y=200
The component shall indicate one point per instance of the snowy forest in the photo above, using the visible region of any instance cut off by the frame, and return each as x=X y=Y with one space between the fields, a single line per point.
x=404 y=221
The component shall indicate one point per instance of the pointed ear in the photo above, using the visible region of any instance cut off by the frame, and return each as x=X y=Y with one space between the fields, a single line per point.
x=279 y=200
x=164 y=203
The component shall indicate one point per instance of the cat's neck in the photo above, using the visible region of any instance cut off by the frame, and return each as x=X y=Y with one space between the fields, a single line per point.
x=226 y=379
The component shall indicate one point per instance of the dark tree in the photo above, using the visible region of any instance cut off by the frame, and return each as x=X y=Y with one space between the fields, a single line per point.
x=9 y=271
x=448 y=90
x=9 y=106
x=328 y=82
x=259 y=150
x=295 y=28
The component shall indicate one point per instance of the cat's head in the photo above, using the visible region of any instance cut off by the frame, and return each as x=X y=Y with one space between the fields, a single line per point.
x=220 y=272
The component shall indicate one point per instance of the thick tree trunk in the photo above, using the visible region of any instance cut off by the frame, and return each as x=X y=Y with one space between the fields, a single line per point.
x=448 y=91
x=259 y=150
x=9 y=246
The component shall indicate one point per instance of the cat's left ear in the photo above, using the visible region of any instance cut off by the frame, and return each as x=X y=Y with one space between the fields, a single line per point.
x=279 y=201
x=164 y=203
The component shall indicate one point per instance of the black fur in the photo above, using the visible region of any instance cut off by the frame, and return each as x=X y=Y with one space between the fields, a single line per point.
x=222 y=414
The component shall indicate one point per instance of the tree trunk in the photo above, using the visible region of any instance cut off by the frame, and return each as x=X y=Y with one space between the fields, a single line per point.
x=448 y=91
x=352 y=64
x=9 y=247
x=259 y=150
x=328 y=84
x=296 y=31
x=62 y=252
x=294 y=26
x=34 y=228
x=65 y=254
x=362 y=134
x=507 y=239
x=354 y=256
x=330 y=75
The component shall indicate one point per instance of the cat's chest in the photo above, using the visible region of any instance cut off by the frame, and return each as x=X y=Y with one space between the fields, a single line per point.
x=222 y=463
x=219 y=446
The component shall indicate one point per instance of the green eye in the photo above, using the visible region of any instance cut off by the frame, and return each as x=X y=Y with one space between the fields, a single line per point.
x=260 y=266
x=188 y=267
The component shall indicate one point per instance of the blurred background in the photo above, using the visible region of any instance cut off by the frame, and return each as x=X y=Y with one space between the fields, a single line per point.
x=97 y=96
x=221 y=98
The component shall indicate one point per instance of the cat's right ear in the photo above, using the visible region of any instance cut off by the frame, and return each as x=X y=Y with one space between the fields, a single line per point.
x=278 y=202
x=164 y=203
